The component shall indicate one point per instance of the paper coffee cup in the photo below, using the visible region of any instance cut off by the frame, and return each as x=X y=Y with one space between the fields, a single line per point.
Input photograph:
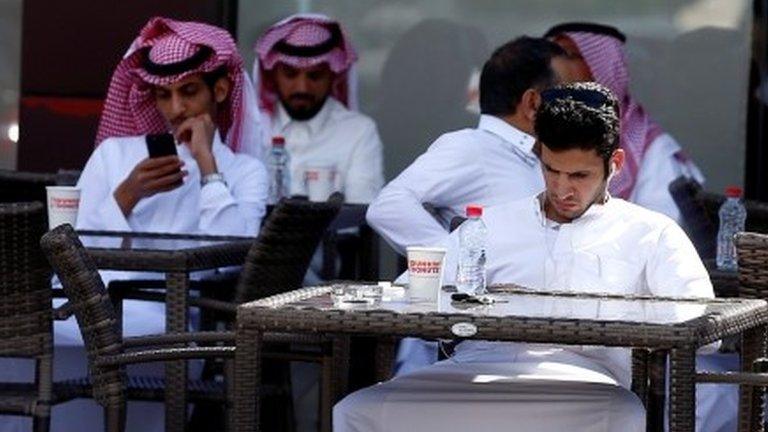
x=425 y=272
x=320 y=182
x=63 y=202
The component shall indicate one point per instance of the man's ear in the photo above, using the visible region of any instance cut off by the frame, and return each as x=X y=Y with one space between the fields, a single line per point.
x=221 y=89
x=530 y=103
x=617 y=161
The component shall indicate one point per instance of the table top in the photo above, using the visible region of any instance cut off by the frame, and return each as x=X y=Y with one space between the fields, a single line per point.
x=160 y=252
x=518 y=314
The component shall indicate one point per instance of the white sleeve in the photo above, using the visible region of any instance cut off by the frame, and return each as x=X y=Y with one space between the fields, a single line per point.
x=365 y=174
x=444 y=176
x=98 y=208
x=236 y=208
x=659 y=168
x=675 y=269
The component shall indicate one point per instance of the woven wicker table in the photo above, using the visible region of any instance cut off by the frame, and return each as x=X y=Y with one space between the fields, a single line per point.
x=177 y=256
x=675 y=326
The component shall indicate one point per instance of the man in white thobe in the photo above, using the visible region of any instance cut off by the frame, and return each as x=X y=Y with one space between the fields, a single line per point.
x=185 y=78
x=655 y=159
x=572 y=237
x=306 y=86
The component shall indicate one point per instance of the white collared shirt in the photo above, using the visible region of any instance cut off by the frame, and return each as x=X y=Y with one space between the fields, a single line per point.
x=617 y=247
x=490 y=165
x=232 y=209
x=338 y=137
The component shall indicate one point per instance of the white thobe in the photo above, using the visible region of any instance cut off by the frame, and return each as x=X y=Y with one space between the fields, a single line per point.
x=337 y=137
x=234 y=209
x=618 y=248
x=490 y=165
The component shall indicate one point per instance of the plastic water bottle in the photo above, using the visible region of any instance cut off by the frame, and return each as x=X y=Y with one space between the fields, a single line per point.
x=280 y=179
x=733 y=215
x=470 y=275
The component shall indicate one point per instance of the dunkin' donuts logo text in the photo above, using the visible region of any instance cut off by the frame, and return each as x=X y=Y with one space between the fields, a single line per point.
x=313 y=175
x=65 y=203
x=423 y=267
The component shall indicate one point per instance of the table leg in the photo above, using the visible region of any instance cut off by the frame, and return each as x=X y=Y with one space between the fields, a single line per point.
x=682 y=389
x=657 y=389
x=750 y=397
x=176 y=320
x=386 y=350
x=247 y=379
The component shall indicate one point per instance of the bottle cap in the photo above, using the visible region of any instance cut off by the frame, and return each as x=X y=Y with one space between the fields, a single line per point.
x=474 y=210
x=733 y=192
x=278 y=141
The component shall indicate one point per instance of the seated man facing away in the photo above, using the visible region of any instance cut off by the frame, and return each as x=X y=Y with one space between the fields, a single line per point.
x=653 y=158
x=306 y=86
x=185 y=78
x=573 y=236
x=489 y=165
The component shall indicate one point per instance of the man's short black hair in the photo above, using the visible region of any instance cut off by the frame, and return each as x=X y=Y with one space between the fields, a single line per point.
x=582 y=115
x=587 y=27
x=211 y=77
x=513 y=68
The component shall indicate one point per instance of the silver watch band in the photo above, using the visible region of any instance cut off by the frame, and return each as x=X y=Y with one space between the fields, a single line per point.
x=213 y=177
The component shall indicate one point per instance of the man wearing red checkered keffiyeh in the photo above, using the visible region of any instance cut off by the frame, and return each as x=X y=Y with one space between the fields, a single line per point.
x=165 y=52
x=654 y=159
x=305 y=79
x=185 y=78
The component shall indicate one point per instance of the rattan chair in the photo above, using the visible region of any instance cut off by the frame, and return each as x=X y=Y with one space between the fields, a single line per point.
x=276 y=263
x=108 y=352
x=753 y=283
x=22 y=186
x=25 y=310
x=700 y=220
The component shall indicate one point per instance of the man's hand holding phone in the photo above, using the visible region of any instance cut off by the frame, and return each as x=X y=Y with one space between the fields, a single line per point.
x=161 y=172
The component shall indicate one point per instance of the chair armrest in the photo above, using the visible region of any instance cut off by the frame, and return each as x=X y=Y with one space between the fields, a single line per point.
x=165 y=354
x=178 y=338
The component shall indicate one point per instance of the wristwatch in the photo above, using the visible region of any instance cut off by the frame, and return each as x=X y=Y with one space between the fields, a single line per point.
x=210 y=178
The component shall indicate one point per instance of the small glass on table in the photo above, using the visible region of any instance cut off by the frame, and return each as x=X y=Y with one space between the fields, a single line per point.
x=351 y=295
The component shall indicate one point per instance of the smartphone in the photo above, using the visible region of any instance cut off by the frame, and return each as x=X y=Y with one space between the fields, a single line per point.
x=160 y=145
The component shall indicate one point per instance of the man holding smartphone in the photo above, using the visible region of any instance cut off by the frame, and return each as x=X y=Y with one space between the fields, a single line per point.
x=186 y=80
x=176 y=111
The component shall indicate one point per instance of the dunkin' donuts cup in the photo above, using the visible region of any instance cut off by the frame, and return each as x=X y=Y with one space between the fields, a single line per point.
x=63 y=202
x=425 y=272
x=320 y=182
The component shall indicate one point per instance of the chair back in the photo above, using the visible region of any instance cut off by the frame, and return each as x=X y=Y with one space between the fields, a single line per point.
x=752 y=249
x=700 y=219
x=25 y=283
x=281 y=254
x=18 y=186
x=91 y=305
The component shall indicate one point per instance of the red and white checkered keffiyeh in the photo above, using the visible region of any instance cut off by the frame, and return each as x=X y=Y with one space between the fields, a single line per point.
x=606 y=59
x=305 y=31
x=130 y=106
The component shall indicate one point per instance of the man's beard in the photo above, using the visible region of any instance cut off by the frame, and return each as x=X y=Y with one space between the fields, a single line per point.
x=303 y=113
